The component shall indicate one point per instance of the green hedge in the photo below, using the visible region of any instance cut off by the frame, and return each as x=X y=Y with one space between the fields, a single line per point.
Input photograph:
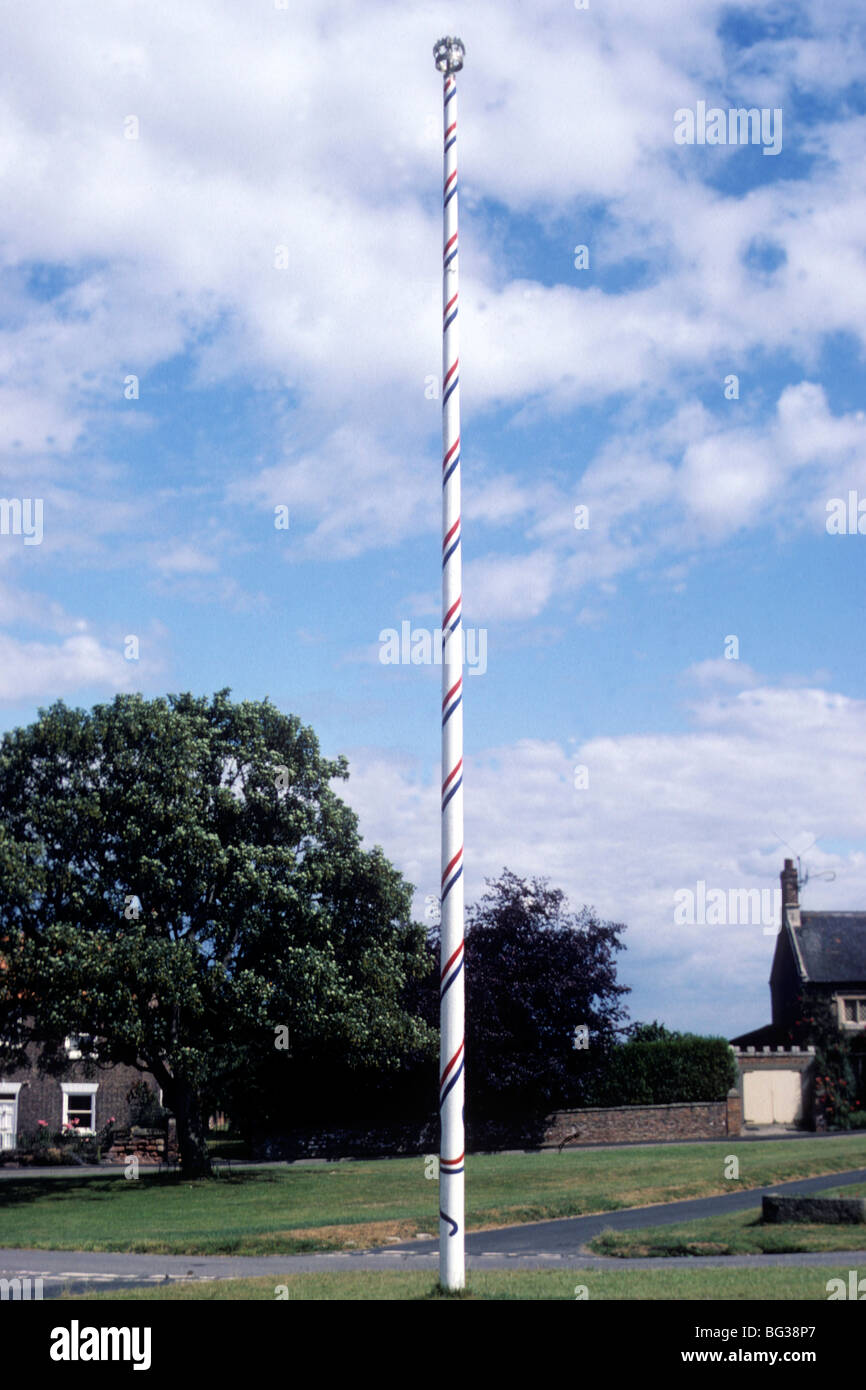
x=686 y=1068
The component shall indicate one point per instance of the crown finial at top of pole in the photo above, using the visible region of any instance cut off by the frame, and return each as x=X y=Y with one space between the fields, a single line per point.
x=448 y=54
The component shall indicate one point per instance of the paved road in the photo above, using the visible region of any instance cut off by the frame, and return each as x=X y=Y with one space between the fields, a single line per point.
x=545 y=1244
x=566 y=1237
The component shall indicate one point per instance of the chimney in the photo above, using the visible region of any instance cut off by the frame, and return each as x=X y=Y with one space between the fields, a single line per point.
x=790 y=890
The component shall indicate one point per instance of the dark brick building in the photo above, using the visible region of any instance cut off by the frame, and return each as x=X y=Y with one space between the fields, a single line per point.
x=87 y=1092
x=825 y=950
x=826 y=953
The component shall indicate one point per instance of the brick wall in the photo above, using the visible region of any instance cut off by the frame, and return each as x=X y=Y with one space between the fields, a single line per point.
x=149 y=1146
x=644 y=1123
x=610 y=1125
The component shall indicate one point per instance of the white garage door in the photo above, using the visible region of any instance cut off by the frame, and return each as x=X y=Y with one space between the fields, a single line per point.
x=772 y=1097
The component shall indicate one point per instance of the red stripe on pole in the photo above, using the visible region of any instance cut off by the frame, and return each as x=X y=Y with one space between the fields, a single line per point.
x=456 y=686
x=451 y=1063
x=453 y=774
x=447 y=967
x=451 y=450
x=453 y=862
x=449 y=614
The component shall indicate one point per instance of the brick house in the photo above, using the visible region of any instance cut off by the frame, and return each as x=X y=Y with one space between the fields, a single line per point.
x=825 y=951
x=85 y=1092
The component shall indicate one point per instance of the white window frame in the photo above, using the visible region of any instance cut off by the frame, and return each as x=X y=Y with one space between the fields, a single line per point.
x=14 y=1087
x=80 y=1088
x=860 y=1001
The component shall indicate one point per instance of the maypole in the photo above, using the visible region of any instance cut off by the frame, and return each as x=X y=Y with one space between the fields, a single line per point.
x=448 y=54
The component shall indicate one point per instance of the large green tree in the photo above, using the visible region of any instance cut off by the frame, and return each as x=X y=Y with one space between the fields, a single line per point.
x=180 y=884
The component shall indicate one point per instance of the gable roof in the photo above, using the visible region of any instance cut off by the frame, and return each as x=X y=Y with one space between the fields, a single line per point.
x=829 y=947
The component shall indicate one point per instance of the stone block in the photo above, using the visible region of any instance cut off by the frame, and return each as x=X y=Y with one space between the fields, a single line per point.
x=828 y=1211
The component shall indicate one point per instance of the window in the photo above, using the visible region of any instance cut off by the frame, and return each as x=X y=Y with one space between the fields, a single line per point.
x=79 y=1104
x=9 y=1113
x=853 y=1012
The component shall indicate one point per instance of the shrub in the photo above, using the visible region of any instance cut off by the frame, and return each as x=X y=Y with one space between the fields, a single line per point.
x=682 y=1068
x=144 y=1107
x=67 y=1145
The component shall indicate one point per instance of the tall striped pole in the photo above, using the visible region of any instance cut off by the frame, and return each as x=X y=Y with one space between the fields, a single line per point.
x=448 y=54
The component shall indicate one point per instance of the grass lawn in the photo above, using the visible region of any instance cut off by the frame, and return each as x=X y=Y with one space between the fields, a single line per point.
x=343 y=1205
x=741 y=1233
x=772 y=1285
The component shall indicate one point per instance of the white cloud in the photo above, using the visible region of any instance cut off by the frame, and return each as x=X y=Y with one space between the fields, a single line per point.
x=508 y=586
x=357 y=495
x=36 y=670
x=184 y=559
x=660 y=813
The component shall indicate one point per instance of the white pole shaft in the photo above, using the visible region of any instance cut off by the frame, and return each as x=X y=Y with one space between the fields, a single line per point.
x=452 y=1265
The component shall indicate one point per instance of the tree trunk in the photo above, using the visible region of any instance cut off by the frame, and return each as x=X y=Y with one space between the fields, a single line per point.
x=195 y=1161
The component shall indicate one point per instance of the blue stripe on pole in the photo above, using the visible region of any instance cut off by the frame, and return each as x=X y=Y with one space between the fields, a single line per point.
x=451 y=470
x=447 y=556
x=451 y=978
x=451 y=710
x=452 y=1082
x=451 y=882
x=451 y=791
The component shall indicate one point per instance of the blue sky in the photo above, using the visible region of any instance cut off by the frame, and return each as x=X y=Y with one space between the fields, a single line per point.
x=318 y=130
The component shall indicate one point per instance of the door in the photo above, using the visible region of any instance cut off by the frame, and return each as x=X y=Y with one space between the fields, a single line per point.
x=787 y=1097
x=772 y=1097
x=7 y=1124
x=757 y=1098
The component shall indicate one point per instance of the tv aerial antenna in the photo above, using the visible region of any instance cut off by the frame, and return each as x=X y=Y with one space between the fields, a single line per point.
x=803 y=876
